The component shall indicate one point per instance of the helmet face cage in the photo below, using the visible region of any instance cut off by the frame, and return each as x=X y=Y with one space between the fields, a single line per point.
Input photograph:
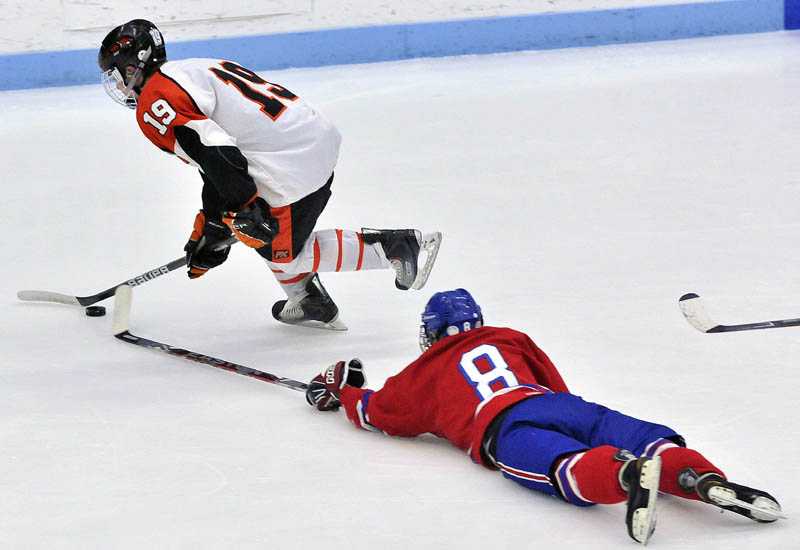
x=129 y=51
x=446 y=314
x=115 y=87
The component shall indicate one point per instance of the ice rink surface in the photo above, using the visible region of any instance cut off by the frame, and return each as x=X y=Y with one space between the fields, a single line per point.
x=580 y=193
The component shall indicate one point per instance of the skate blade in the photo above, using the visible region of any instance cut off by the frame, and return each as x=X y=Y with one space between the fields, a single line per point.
x=764 y=513
x=643 y=523
x=337 y=324
x=430 y=244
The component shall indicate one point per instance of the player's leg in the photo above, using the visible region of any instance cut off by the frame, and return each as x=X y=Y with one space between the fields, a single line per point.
x=682 y=468
x=596 y=425
x=592 y=424
x=526 y=454
x=299 y=250
x=308 y=303
x=676 y=458
x=345 y=250
x=332 y=250
x=547 y=437
x=552 y=463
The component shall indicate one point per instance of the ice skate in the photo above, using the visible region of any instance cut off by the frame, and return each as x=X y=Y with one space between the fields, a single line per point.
x=639 y=477
x=751 y=503
x=313 y=308
x=402 y=248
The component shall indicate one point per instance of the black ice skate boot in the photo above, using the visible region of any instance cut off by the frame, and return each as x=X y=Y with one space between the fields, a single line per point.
x=313 y=308
x=715 y=489
x=639 y=477
x=402 y=248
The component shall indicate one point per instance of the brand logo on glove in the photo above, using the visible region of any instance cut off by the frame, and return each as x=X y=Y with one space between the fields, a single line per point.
x=330 y=374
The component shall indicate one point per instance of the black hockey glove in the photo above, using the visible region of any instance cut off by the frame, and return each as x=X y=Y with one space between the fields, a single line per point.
x=253 y=225
x=203 y=250
x=323 y=390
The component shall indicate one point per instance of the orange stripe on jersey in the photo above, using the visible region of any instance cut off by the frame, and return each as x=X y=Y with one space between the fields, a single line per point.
x=360 y=251
x=294 y=279
x=254 y=197
x=282 y=243
x=162 y=106
x=339 y=240
x=316 y=256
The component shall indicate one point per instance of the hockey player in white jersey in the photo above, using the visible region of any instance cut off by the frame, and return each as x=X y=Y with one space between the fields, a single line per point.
x=266 y=159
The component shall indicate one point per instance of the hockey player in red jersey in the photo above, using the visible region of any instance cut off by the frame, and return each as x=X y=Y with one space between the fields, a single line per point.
x=266 y=159
x=494 y=394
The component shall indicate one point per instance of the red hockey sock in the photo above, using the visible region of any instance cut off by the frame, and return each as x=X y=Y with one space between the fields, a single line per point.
x=675 y=459
x=592 y=476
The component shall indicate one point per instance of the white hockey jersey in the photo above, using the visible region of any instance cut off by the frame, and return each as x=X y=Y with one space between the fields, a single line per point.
x=290 y=147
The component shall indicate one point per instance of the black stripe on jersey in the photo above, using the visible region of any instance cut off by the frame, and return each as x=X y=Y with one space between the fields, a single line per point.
x=213 y=205
x=224 y=167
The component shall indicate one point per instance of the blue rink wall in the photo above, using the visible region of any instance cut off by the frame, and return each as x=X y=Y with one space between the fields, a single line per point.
x=435 y=39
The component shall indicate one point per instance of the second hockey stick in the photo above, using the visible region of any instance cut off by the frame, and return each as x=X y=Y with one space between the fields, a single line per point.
x=121 y=329
x=692 y=308
x=46 y=296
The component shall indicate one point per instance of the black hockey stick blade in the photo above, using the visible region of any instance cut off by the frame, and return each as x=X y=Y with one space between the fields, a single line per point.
x=692 y=308
x=46 y=296
x=121 y=330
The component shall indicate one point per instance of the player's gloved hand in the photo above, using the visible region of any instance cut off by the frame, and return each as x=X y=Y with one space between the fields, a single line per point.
x=253 y=224
x=203 y=250
x=323 y=390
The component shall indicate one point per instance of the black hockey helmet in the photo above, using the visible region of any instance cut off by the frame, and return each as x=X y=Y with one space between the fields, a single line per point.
x=133 y=50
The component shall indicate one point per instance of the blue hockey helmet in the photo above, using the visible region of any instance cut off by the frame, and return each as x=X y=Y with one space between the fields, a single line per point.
x=448 y=313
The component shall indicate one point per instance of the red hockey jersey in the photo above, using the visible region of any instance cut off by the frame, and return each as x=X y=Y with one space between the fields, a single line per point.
x=456 y=388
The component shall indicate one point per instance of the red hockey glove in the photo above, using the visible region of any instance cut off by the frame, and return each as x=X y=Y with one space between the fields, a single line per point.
x=323 y=390
x=203 y=251
x=253 y=225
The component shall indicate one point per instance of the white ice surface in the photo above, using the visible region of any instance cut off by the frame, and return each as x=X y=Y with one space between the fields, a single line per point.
x=580 y=193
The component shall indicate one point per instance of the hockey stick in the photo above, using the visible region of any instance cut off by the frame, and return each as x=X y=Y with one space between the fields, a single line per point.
x=120 y=328
x=45 y=296
x=695 y=313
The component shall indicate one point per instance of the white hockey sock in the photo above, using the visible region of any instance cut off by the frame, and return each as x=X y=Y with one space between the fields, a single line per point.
x=334 y=250
x=293 y=285
x=328 y=250
x=344 y=250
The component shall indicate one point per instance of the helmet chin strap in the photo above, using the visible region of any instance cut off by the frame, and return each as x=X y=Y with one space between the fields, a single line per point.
x=144 y=55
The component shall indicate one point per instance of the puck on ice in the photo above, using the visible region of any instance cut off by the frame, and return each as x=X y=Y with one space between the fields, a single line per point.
x=95 y=311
